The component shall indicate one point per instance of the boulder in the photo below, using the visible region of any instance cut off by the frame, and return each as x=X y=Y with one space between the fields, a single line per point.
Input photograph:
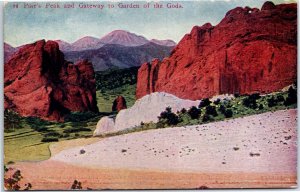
x=39 y=82
x=119 y=104
x=249 y=51
x=148 y=108
x=105 y=125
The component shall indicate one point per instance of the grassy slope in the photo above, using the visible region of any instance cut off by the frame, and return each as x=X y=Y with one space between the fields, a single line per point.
x=24 y=144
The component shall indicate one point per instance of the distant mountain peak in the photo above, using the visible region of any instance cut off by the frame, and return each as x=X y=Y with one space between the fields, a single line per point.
x=123 y=37
x=87 y=38
x=115 y=37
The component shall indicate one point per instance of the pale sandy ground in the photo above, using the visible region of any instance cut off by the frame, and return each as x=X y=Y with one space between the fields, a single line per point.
x=66 y=144
x=215 y=155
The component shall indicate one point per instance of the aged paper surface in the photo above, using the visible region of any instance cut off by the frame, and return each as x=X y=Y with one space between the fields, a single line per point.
x=150 y=95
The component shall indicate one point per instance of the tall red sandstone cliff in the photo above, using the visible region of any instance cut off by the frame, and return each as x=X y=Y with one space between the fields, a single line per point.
x=39 y=82
x=249 y=51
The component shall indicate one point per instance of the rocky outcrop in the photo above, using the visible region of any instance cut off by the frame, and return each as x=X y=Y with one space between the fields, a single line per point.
x=148 y=109
x=39 y=82
x=105 y=125
x=119 y=104
x=249 y=51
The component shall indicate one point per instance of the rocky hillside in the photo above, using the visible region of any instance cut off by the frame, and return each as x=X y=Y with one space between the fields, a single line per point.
x=39 y=82
x=119 y=56
x=249 y=51
x=8 y=51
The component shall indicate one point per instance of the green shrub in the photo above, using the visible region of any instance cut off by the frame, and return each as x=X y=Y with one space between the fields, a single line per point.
x=76 y=129
x=183 y=110
x=41 y=129
x=292 y=97
x=114 y=78
x=194 y=112
x=280 y=98
x=272 y=102
x=49 y=139
x=250 y=101
x=228 y=113
x=222 y=109
x=217 y=102
x=79 y=116
x=211 y=110
x=205 y=102
x=37 y=124
x=52 y=134
x=206 y=118
x=12 y=120
x=160 y=124
x=168 y=117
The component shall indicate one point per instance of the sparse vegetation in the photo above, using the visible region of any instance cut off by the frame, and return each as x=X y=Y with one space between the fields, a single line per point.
x=12 y=183
x=79 y=116
x=251 y=101
x=76 y=185
x=49 y=139
x=114 y=78
x=239 y=106
x=194 y=112
x=169 y=118
x=292 y=97
x=76 y=130
x=11 y=120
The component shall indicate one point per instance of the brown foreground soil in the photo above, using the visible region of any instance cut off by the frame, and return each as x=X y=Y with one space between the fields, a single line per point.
x=60 y=176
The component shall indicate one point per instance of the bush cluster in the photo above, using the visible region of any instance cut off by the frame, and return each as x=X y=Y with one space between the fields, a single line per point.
x=76 y=129
x=12 y=120
x=114 y=78
x=168 y=117
x=49 y=139
x=37 y=124
x=79 y=116
x=292 y=97
x=251 y=101
x=194 y=112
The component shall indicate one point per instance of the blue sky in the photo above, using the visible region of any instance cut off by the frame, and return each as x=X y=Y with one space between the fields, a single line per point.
x=23 y=26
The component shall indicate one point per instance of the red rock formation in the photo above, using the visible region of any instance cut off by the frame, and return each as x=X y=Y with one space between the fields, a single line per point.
x=39 y=82
x=249 y=51
x=119 y=104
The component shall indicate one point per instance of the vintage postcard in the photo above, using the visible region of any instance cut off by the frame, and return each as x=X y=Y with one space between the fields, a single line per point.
x=150 y=95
